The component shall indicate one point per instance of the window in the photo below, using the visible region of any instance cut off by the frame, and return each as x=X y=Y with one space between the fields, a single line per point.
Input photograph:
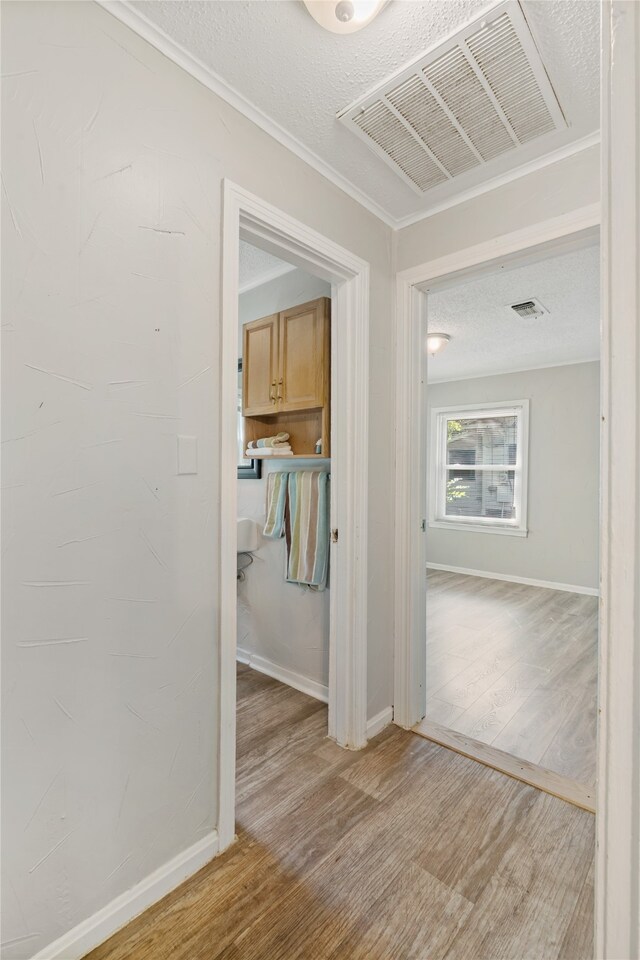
x=479 y=469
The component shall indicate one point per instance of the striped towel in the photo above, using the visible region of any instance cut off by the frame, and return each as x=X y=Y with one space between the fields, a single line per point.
x=276 y=502
x=274 y=441
x=306 y=528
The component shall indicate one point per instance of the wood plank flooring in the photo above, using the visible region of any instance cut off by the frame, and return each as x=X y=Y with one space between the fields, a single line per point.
x=555 y=783
x=516 y=667
x=402 y=851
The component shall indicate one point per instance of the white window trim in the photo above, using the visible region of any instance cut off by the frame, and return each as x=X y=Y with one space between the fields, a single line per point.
x=437 y=519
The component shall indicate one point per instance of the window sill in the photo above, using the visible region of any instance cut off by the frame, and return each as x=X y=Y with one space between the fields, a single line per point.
x=479 y=528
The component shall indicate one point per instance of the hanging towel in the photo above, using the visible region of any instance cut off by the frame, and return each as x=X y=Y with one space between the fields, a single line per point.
x=274 y=441
x=276 y=503
x=306 y=528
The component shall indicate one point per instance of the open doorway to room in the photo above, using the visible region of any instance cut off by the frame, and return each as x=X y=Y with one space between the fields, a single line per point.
x=513 y=401
x=284 y=463
x=293 y=488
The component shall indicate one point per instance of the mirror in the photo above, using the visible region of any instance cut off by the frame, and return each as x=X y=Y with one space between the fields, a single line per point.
x=248 y=468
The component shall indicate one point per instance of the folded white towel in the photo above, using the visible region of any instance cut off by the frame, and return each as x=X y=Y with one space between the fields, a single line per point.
x=269 y=451
x=263 y=453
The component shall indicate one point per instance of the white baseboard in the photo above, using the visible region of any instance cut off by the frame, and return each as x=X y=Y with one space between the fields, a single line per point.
x=107 y=921
x=379 y=722
x=547 y=584
x=311 y=687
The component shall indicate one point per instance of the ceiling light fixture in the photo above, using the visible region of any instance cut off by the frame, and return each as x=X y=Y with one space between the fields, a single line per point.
x=436 y=341
x=345 y=16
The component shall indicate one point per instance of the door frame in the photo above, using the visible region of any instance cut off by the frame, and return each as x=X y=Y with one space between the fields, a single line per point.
x=617 y=876
x=248 y=217
x=411 y=503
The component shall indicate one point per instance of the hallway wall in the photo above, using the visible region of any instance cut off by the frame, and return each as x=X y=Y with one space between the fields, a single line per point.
x=549 y=192
x=113 y=161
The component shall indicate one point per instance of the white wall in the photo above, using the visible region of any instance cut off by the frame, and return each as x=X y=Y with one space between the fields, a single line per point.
x=563 y=501
x=282 y=622
x=113 y=160
x=547 y=193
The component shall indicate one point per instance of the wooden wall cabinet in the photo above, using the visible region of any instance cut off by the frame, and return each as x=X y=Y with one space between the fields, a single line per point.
x=260 y=366
x=286 y=376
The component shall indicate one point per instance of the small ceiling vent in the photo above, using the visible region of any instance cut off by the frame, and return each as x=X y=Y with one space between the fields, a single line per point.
x=529 y=309
x=481 y=94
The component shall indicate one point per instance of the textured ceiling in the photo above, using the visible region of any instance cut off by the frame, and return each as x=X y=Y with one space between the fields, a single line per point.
x=300 y=76
x=257 y=266
x=488 y=337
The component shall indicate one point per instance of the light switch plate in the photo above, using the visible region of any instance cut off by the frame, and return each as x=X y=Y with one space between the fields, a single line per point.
x=187 y=454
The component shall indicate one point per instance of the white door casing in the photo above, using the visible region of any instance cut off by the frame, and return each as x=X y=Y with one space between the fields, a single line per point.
x=411 y=471
x=617 y=913
x=249 y=217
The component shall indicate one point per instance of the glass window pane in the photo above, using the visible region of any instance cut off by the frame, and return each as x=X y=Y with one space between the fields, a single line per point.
x=480 y=493
x=486 y=439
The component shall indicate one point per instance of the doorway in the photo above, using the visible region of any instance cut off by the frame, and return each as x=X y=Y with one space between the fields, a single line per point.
x=564 y=233
x=249 y=219
x=513 y=516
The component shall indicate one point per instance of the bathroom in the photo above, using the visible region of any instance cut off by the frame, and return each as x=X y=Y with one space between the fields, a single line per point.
x=283 y=626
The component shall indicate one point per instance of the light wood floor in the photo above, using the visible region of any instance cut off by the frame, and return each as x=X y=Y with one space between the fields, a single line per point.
x=516 y=667
x=403 y=851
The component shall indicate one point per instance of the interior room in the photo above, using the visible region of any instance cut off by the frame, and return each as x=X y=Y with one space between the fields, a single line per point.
x=320 y=480
x=283 y=606
x=513 y=536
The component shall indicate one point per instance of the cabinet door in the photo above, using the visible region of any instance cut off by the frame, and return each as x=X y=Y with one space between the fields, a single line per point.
x=259 y=366
x=304 y=356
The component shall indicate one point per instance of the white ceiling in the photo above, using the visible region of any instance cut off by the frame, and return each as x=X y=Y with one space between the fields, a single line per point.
x=487 y=337
x=297 y=75
x=258 y=267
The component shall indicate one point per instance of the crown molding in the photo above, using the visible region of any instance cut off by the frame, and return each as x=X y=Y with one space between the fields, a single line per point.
x=140 y=24
x=136 y=21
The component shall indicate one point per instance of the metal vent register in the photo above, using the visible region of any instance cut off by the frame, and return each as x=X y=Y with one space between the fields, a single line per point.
x=482 y=93
x=529 y=309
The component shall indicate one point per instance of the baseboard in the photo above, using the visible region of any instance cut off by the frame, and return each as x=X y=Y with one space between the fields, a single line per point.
x=311 y=687
x=379 y=722
x=547 y=584
x=107 y=921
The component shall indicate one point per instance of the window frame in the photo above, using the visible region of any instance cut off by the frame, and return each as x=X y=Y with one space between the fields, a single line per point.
x=516 y=527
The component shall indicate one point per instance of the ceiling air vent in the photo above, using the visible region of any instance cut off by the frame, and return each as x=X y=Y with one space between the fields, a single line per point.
x=482 y=93
x=529 y=309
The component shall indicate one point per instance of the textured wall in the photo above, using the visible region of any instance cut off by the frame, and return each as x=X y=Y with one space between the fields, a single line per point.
x=285 y=623
x=564 y=477
x=112 y=168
